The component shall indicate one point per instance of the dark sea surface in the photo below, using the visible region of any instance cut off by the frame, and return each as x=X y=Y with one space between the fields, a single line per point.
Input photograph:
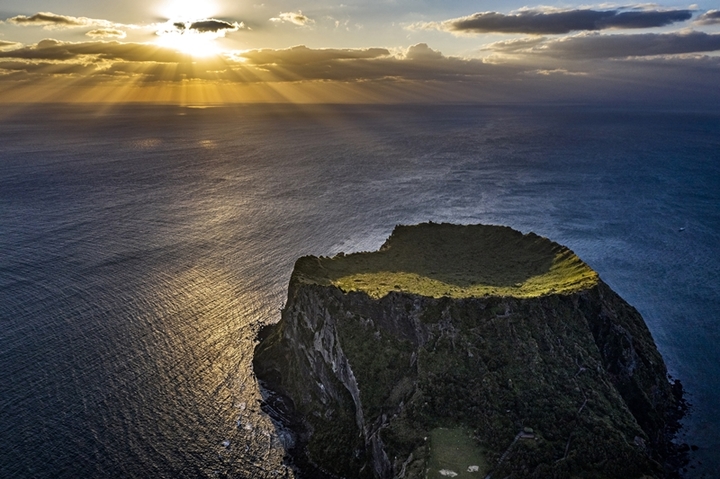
x=141 y=248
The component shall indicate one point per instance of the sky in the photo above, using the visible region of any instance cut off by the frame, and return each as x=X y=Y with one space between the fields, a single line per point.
x=372 y=51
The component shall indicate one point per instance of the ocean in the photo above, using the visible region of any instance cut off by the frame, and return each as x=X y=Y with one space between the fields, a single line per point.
x=143 y=246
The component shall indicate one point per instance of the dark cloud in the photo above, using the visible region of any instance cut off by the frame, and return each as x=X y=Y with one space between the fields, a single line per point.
x=208 y=26
x=212 y=25
x=65 y=51
x=538 y=22
x=53 y=21
x=47 y=19
x=643 y=19
x=711 y=17
x=622 y=46
x=418 y=63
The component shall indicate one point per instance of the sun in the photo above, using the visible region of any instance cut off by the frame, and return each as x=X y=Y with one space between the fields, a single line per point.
x=186 y=40
x=191 y=28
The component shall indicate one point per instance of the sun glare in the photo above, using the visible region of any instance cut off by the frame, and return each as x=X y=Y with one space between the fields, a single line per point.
x=177 y=32
x=188 y=10
x=187 y=41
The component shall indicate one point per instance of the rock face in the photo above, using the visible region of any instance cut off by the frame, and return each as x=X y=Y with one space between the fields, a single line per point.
x=507 y=339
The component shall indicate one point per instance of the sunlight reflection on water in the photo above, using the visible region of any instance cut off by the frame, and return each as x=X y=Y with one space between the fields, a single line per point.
x=142 y=250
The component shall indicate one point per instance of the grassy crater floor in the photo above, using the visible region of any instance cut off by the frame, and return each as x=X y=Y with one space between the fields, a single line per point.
x=457 y=261
x=454 y=453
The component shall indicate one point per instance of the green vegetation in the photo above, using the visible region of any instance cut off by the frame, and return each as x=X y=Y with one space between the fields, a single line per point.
x=488 y=369
x=498 y=350
x=436 y=260
x=456 y=454
x=383 y=364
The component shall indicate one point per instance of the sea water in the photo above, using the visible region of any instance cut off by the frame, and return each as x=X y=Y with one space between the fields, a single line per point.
x=142 y=247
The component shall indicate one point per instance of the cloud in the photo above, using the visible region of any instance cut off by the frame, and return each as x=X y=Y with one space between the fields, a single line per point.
x=418 y=73
x=418 y=62
x=556 y=71
x=150 y=63
x=422 y=51
x=212 y=25
x=46 y=68
x=292 y=17
x=53 y=21
x=50 y=20
x=548 y=22
x=302 y=55
x=4 y=44
x=208 y=26
x=595 y=46
x=106 y=33
x=516 y=45
x=711 y=17
x=50 y=49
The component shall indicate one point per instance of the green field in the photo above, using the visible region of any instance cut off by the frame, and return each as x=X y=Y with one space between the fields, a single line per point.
x=456 y=261
x=453 y=453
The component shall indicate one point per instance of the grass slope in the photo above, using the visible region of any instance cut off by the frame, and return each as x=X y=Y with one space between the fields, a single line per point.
x=445 y=260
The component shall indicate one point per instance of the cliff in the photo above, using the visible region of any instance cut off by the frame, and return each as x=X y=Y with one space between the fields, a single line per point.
x=465 y=351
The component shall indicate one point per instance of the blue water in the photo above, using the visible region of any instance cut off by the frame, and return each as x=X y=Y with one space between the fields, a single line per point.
x=141 y=248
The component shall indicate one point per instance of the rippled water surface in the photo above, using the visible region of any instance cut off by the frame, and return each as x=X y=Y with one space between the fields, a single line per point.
x=142 y=247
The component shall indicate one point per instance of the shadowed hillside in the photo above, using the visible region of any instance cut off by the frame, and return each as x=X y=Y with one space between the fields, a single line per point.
x=465 y=351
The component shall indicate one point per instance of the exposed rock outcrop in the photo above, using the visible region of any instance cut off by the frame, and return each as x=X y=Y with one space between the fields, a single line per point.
x=507 y=337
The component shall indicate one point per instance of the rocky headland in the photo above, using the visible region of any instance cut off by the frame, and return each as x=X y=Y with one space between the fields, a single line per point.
x=465 y=351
